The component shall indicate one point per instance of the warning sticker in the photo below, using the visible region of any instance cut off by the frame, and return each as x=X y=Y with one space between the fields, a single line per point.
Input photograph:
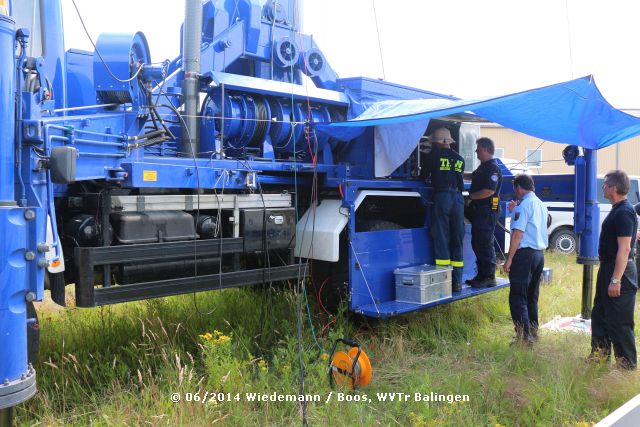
x=150 y=176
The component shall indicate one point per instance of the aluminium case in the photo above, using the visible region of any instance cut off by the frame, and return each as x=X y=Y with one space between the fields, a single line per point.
x=422 y=284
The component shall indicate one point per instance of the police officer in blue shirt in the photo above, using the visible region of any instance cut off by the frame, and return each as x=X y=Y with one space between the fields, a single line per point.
x=446 y=168
x=616 y=286
x=525 y=261
x=484 y=206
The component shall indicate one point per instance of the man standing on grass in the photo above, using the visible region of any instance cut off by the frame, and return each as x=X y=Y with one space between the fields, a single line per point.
x=616 y=286
x=525 y=261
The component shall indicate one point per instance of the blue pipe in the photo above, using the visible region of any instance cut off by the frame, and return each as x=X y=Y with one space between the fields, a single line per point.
x=587 y=214
x=588 y=252
x=17 y=379
x=22 y=37
x=53 y=49
x=7 y=110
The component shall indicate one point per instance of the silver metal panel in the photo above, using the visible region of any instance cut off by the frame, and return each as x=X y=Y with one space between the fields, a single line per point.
x=208 y=201
x=234 y=81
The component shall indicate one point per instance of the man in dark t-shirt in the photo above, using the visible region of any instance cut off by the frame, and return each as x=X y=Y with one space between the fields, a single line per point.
x=612 y=319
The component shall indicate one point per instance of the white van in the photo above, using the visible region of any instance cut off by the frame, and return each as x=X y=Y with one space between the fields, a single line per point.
x=561 y=236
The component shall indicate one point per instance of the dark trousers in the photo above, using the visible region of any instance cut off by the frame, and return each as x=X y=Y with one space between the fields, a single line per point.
x=483 y=225
x=447 y=230
x=612 y=318
x=526 y=269
x=637 y=257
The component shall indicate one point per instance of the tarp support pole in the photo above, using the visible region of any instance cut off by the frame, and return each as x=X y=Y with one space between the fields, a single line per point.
x=587 y=291
x=588 y=248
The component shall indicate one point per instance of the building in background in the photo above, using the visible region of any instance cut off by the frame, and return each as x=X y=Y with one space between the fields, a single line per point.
x=541 y=156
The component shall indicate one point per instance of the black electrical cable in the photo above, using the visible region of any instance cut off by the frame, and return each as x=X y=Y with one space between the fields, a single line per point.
x=523 y=160
x=164 y=80
x=195 y=237
x=154 y=111
x=135 y=75
x=300 y=282
x=173 y=122
x=268 y=307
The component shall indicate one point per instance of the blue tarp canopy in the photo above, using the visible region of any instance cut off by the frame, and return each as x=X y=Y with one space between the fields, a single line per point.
x=574 y=112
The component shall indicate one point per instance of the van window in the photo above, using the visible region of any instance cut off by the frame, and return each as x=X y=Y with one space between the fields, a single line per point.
x=633 y=196
x=634 y=192
x=601 y=198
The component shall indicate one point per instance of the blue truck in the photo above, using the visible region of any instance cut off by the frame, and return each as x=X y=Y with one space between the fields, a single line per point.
x=244 y=160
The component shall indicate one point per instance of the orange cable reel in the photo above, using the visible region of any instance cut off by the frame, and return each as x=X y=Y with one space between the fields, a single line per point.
x=351 y=369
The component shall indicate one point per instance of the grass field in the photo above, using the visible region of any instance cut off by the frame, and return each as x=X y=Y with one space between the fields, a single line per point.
x=120 y=365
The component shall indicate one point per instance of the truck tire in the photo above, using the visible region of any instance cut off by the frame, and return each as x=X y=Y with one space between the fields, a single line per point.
x=331 y=283
x=335 y=275
x=564 y=241
x=33 y=334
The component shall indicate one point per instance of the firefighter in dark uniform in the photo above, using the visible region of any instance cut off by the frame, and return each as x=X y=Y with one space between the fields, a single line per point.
x=613 y=306
x=446 y=168
x=483 y=211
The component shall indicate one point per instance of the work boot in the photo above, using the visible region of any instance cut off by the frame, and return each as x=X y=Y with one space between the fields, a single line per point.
x=597 y=358
x=623 y=364
x=522 y=338
x=533 y=330
x=522 y=342
x=456 y=287
x=484 y=282
x=475 y=279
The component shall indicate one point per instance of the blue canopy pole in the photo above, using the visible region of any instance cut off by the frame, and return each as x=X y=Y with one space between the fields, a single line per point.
x=587 y=205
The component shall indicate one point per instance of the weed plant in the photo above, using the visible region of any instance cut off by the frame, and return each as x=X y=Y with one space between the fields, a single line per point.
x=120 y=365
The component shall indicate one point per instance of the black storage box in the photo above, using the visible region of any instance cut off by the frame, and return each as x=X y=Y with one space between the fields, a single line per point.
x=151 y=227
x=280 y=228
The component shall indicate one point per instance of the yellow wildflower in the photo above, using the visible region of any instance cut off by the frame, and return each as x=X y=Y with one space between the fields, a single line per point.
x=207 y=337
x=216 y=338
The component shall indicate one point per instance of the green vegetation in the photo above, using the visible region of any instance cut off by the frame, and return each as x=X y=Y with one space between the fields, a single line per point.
x=119 y=365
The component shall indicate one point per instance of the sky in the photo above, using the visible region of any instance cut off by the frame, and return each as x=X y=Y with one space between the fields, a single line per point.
x=465 y=48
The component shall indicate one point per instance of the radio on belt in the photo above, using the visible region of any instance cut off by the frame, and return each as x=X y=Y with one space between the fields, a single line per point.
x=422 y=284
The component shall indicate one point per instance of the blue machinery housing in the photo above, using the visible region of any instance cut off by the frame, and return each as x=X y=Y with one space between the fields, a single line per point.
x=231 y=165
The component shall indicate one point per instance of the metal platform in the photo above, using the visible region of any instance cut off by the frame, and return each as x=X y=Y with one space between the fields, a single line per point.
x=394 y=308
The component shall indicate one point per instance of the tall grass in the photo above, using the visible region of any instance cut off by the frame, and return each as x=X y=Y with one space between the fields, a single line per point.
x=119 y=365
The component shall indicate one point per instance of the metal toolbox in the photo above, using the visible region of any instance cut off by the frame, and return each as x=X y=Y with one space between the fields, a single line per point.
x=422 y=284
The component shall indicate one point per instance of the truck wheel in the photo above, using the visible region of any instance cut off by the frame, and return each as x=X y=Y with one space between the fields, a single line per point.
x=33 y=334
x=331 y=282
x=335 y=275
x=563 y=241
